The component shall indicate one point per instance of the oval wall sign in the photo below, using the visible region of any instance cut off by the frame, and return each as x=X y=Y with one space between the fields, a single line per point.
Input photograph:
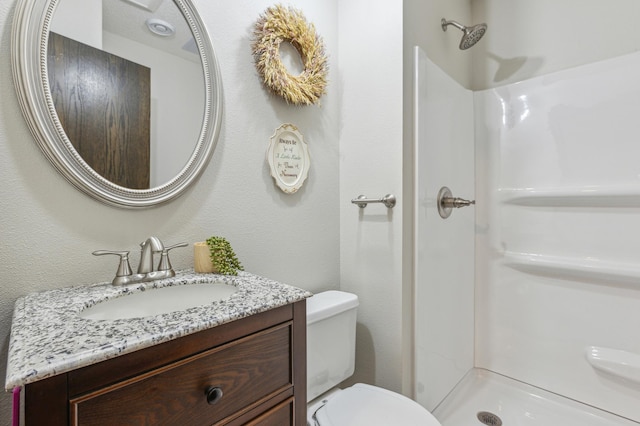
x=288 y=158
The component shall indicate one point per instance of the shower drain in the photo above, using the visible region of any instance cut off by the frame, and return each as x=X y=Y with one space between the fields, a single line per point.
x=489 y=419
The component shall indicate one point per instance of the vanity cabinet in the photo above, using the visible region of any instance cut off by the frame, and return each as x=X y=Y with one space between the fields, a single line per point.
x=250 y=371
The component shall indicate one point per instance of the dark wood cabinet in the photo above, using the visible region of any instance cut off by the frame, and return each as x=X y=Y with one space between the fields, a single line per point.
x=250 y=371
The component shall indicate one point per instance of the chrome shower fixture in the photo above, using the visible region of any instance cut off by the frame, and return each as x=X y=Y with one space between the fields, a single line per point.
x=471 y=36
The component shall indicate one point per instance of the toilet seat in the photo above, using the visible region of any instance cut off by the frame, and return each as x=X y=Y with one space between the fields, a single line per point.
x=366 y=405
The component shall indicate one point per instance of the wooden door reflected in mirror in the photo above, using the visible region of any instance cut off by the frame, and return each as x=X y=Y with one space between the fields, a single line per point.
x=103 y=103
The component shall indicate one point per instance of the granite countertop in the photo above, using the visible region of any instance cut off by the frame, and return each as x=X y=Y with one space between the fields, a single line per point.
x=48 y=337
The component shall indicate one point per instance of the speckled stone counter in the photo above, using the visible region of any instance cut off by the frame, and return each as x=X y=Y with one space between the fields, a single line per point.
x=48 y=337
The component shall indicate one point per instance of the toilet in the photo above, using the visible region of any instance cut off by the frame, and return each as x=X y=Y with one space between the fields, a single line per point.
x=331 y=345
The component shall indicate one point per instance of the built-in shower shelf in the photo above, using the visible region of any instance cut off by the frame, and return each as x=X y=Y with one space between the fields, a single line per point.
x=574 y=268
x=619 y=363
x=584 y=196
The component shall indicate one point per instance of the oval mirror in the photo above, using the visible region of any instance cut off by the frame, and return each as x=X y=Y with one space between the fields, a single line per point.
x=124 y=97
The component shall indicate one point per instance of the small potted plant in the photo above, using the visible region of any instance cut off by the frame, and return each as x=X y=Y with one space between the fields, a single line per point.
x=216 y=255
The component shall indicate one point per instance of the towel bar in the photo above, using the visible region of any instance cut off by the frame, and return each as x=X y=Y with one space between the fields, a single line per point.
x=388 y=200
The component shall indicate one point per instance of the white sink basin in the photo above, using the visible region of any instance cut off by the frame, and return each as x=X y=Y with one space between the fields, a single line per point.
x=159 y=301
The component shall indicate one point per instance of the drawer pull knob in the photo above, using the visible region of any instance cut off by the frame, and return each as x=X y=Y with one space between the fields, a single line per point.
x=214 y=394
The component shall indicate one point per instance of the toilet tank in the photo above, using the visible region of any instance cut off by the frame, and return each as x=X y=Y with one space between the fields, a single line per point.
x=331 y=340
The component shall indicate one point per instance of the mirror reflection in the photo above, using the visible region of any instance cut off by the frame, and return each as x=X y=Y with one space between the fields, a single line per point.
x=127 y=84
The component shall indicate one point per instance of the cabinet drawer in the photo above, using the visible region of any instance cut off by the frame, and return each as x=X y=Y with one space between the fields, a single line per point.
x=249 y=371
x=280 y=415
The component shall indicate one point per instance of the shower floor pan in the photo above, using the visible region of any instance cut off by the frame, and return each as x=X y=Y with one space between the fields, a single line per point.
x=486 y=398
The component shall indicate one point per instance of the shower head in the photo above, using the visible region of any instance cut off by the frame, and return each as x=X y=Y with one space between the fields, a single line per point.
x=471 y=35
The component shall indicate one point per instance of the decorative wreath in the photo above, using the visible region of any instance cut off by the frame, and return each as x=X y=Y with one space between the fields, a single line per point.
x=279 y=24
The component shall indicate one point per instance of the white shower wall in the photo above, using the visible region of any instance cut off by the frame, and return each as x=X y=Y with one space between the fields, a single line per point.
x=443 y=295
x=558 y=232
x=532 y=38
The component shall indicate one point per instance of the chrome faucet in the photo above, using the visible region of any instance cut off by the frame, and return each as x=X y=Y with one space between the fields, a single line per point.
x=146 y=271
x=147 y=248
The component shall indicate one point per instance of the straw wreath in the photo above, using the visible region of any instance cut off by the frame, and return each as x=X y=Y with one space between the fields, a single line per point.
x=279 y=24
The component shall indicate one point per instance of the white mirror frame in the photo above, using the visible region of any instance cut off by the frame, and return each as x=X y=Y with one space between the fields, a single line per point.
x=30 y=35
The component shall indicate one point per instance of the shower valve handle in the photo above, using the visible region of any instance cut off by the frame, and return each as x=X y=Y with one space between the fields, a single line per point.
x=447 y=202
x=456 y=202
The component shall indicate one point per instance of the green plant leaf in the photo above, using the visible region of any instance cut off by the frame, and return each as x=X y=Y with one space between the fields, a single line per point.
x=223 y=257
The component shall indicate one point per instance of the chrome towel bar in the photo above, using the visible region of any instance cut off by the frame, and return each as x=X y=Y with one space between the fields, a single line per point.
x=388 y=200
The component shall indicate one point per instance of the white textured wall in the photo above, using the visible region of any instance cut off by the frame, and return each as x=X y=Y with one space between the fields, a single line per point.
x=371 y=164
x=87 y=30
x=48 y=229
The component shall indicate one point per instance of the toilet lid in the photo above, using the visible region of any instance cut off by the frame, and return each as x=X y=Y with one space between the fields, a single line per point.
x=365 y=405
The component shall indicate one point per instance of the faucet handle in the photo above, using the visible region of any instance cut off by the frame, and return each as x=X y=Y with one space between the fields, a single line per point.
x=165 y=264
x=124 y=269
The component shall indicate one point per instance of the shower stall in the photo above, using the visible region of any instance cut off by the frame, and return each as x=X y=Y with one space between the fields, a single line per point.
x=527 y=306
